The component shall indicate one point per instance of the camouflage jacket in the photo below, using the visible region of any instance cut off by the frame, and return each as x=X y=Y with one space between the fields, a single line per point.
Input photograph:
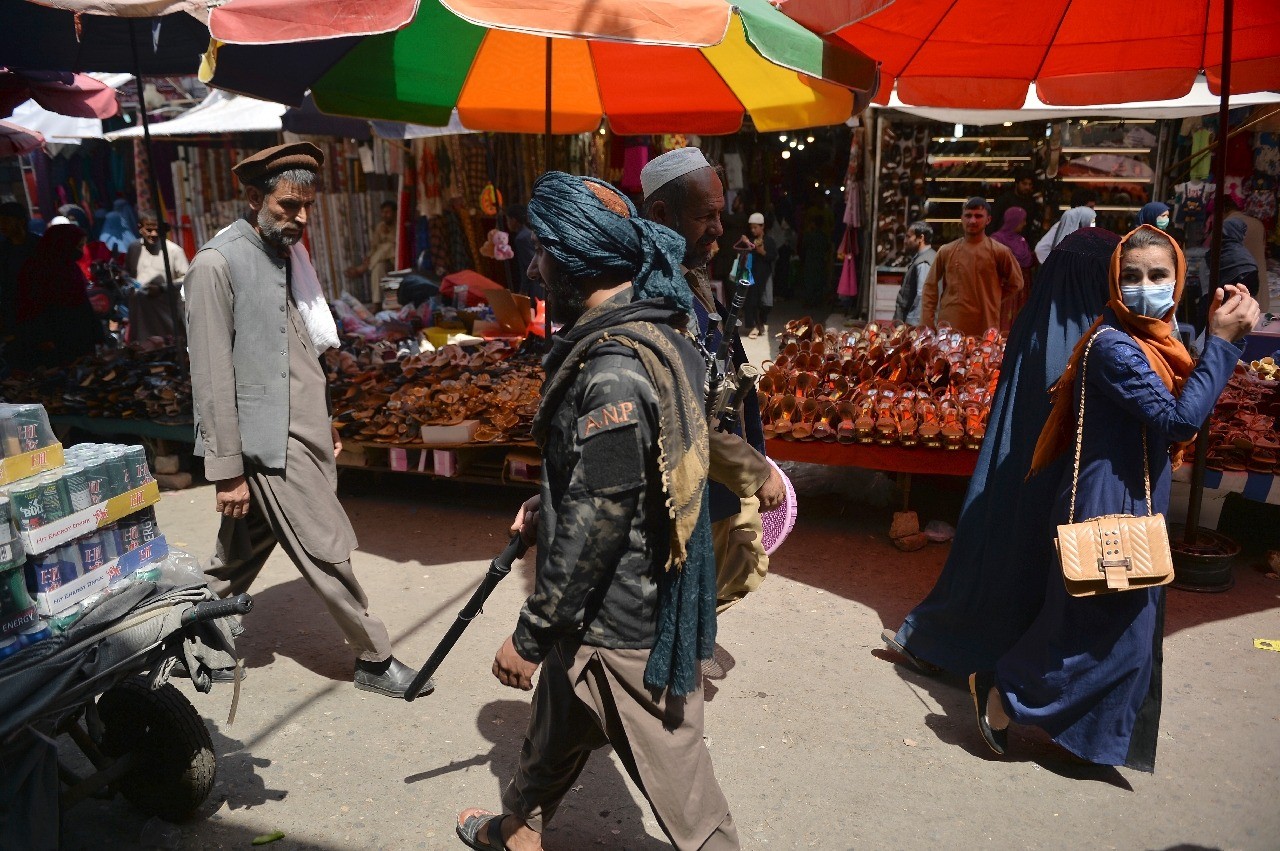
x=603 y=529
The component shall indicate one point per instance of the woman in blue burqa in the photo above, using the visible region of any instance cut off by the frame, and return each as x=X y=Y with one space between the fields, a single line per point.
x=993 y=582
x=1087 y=669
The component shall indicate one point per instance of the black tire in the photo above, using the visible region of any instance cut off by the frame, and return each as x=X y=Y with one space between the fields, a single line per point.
x=175 y=766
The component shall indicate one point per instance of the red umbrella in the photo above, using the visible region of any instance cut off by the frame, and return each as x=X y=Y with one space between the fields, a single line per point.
x=77 y=95
x=983 y=54
x=16 y=141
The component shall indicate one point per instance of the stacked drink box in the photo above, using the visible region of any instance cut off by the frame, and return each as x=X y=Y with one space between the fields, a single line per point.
x=51 y=585
x=23 y=429
x=27 y=448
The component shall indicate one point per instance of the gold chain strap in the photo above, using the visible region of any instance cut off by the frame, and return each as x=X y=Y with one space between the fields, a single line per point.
x=1075 y=475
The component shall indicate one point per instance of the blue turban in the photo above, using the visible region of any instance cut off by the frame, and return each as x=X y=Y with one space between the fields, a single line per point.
x=590 y=240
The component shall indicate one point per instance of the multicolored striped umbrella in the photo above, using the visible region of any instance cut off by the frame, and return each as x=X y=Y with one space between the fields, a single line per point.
x=649 y=67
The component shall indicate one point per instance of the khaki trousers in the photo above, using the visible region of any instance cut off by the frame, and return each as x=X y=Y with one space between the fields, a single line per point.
x=244 y=545
x=741 y=562
x=588 y=697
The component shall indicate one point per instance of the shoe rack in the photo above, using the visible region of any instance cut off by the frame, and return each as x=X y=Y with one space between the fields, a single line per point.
x=1120 y=159
x=899 y=199
x=979 y=162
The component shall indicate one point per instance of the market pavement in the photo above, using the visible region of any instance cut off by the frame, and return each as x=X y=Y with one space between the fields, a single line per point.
x=818 y=739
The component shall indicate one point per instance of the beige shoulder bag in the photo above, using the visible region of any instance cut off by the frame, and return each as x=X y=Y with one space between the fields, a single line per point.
x=1115 y=552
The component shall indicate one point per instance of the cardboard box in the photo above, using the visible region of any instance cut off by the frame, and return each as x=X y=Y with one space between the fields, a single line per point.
x=449 y=435
x=522 y=466
x=56 y=600
x=352 y=455
x=28 y=464
x=447 y=463
x=69 y=528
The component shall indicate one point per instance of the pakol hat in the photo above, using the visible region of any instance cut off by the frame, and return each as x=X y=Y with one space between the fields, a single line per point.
x=662 y=170
x=755 y=219
x=280 y=158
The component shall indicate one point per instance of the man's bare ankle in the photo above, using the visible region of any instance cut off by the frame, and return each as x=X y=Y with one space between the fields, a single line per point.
x=518 y=836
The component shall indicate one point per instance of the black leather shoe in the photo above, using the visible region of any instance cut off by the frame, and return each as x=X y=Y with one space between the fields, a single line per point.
x=390 y=677
x=980 y=685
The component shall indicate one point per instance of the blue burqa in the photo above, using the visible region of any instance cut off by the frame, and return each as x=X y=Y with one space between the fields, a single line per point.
x=993 y=582
x=1087 y=670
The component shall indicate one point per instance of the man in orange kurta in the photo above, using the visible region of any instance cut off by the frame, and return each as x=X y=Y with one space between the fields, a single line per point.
x=969 y=277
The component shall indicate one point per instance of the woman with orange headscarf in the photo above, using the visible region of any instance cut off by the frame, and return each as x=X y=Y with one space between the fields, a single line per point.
x=1087 y=670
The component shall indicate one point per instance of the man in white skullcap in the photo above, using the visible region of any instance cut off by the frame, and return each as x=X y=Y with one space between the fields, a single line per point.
x=683 y=191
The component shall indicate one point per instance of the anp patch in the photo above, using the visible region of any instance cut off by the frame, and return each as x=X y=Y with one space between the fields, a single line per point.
x=608 y=417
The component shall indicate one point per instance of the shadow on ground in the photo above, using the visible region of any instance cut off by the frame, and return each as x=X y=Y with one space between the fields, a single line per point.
x=239 y=786
x=580 y=821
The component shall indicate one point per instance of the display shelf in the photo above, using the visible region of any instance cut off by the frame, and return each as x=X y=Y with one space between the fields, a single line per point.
x=975 y=158
x=945 y=139
x=473 y=463
x=890 y=459
x=1105 y=179
x=1105 y=150
x=1106 y=208
x=973 y=179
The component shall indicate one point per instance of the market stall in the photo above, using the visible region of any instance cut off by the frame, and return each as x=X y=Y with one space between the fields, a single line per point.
x=1243 y=454
x=882 y=396
x=927 y=160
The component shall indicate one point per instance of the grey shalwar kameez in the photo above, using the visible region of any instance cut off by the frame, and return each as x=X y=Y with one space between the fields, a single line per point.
x=293 y=503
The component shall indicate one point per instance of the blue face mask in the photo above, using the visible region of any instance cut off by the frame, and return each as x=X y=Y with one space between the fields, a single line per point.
x=1154 y=301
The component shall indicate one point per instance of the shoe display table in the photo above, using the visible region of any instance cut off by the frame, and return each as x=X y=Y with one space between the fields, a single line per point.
x=870 y=456
x=494 y=463
x=179 y=432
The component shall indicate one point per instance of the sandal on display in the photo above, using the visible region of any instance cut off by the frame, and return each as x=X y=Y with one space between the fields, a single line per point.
x=803 y=429
x=845 y=430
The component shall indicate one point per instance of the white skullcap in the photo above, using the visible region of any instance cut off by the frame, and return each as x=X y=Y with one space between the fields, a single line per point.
x=662 y=170
x=755 y=219
x=59 y=220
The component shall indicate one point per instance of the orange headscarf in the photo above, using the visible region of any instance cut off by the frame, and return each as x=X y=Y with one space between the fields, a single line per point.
x=1169 y=359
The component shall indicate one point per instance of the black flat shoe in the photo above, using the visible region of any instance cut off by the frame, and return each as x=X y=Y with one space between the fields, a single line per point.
x=927 y=668
x=390 y=677
x=980 y=685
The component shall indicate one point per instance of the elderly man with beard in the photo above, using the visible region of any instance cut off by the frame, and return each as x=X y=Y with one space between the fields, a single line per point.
x=257 y=323
x=683 y=191
x=623 y=605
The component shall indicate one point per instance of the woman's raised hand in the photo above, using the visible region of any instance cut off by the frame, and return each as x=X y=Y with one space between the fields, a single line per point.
x=1234 y=313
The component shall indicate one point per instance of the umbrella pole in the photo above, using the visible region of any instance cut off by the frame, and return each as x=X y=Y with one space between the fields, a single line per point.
x=1196 y=496
x=179 y=322
x=546 y=136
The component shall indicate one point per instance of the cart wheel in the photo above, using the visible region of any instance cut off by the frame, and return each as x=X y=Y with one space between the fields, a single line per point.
x=175 y=762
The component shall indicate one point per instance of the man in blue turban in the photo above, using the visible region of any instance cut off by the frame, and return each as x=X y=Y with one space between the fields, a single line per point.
x=623 y=605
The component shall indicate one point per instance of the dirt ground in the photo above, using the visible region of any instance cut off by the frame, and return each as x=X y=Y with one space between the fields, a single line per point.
x=819 y=740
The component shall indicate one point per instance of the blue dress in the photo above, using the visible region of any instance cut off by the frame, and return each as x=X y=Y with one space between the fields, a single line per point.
x=992 y=584
x=1084 y=668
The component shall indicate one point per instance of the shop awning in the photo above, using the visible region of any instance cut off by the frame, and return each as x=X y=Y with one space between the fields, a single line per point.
x=1199 y=101
x=65 y=129
x=218 y=113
